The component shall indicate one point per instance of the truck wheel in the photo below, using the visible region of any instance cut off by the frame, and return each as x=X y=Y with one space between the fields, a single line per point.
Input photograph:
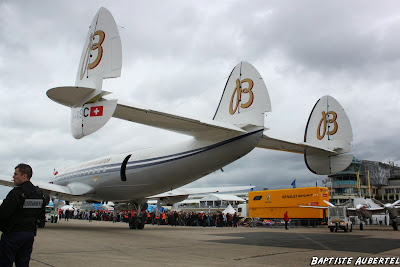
x=55 y=219
x=52 y=219
x=336 y=227
x=351 y=228
x=361 y=226
x=331 y=228
x=346 y=227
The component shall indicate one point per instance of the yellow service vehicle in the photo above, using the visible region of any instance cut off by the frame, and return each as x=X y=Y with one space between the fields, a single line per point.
x=272 y=204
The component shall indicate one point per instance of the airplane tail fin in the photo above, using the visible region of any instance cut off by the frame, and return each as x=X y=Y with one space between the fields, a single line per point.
x=328 y=127
x=245 y=98
x=102 y=53
x=101 y=59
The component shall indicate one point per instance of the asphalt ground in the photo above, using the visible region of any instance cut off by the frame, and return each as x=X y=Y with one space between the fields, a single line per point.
x=84 y=243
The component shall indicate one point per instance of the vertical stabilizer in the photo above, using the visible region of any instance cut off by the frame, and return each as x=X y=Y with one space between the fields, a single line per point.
x=102 y=53
x=101 y=58
x=328 y=127
x=245 y=98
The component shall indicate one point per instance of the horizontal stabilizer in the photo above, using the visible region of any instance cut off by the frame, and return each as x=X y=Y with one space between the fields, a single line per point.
x=174 y=123
x=288 y=146
x=71 y=96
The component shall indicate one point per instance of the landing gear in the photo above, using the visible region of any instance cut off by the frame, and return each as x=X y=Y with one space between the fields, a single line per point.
x=138 y=220
x=133 y=222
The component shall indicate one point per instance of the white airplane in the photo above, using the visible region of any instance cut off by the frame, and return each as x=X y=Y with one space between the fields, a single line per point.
x=236 y=129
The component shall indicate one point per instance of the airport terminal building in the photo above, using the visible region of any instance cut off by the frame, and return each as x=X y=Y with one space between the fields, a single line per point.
x=366 y=179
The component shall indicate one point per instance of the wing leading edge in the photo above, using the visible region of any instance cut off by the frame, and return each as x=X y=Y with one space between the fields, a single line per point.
x=66 y=192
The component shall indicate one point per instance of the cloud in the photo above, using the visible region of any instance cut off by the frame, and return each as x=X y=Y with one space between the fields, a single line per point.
x=177 y=57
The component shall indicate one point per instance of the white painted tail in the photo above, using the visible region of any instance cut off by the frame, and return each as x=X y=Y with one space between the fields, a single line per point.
x=102 y=53
x=101 y=58
x=329 y=128
x=245 y=98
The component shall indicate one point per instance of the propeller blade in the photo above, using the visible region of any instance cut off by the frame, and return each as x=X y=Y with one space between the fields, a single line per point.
x=329 y=203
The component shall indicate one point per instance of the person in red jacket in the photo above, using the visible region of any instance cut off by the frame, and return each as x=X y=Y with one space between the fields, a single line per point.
x=286 y=219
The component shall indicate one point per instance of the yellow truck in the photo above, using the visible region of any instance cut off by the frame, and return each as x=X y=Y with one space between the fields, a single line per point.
x=272 y=204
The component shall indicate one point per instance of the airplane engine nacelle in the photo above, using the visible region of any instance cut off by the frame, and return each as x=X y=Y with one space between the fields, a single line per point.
x=169 y=201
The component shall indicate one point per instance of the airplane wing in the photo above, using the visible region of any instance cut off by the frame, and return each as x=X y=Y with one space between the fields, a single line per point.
x=203 y=190
x=180 y=194
x=374 y=211
x=6 y=181
x=313 y=207
x=172 y=122
x=353 y=212
x=66 y=192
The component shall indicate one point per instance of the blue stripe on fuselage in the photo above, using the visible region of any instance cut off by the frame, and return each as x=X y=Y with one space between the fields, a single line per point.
x=147 y=162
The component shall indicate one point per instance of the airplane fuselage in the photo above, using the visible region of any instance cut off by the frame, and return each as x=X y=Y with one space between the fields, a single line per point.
x=139 y=174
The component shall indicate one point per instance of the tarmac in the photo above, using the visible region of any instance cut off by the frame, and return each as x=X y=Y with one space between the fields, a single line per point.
x=96 y=243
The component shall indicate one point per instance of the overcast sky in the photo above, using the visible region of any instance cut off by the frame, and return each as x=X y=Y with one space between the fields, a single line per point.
x=177 y=56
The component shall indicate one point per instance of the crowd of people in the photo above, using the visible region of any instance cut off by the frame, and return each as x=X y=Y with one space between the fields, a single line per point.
x=174 y=218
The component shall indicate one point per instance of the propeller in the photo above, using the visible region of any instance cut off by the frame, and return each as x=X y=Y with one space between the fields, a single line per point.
x=329 y=203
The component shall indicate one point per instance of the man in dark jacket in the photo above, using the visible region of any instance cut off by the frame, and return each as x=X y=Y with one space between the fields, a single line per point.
x=19 y=217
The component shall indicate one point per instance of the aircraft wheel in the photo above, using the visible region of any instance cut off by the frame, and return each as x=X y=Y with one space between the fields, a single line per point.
x=133 y=223
x=141 y=223
x=395 y=227
x=331 y=229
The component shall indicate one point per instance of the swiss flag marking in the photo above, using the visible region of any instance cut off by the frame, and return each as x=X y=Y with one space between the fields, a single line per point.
x=96 y=111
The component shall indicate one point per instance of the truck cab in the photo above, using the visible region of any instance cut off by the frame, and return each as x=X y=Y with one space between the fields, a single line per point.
x=338 y=218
